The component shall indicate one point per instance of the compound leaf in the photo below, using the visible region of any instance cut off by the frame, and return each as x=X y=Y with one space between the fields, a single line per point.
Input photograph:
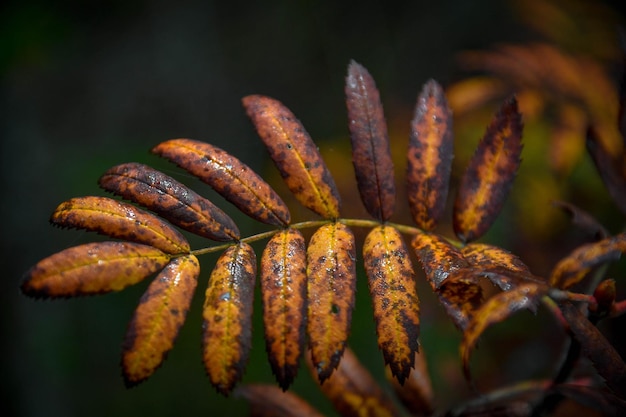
x=295 y=155
x=331 y=273
x=158 y=318
x=228 y=176
x=170 y=199
x=119 y=220
x=93 y=268
x=574 y=267
x=354 y=392
x=270 y=401
x=396 y=306
x=430 y=156
x=227 y=314
x=489 y=175
x=371 y=154
x=496 y=309
x=284 y=291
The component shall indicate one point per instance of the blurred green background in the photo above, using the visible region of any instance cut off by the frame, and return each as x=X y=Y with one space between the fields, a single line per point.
x=87 y=85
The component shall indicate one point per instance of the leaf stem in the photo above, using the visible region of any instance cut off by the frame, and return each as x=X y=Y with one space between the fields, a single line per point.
x=410 y=230
x=563 y=295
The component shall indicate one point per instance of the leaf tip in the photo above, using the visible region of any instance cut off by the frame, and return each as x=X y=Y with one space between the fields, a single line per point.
x=29 y=290
x=129 y=382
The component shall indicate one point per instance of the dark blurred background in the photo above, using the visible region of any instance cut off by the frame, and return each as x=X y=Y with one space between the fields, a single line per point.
x=88 y=85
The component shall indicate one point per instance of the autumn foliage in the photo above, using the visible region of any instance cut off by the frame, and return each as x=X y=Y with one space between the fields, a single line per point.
x=308 y=288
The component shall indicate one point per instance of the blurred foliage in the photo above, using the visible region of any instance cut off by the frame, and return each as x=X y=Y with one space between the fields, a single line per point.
x=565 y=81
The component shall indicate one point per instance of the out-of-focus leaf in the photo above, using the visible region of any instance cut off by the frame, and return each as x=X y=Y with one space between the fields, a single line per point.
x=158 y=318
x=583 y=220
x=430 y=156
x=605 y=358
x=574 y=267
x=621 y=115
x=271 y=401
x=496 y=309
x=602 y=400
x=230 y=177
x=93 y=268
x=396 y=306
x=489 y=175
x=472 y=93
x=284 y=292
x=371 y=154
x=438 y=258
x=501 y=408
x=417 y=392
x=331 y=273
x=553 y=73
x=566 y=144
x=612 y=169
x=227 y=314
x=354 y=392
x=295 y=155
x=119 y=220
x=170 y=199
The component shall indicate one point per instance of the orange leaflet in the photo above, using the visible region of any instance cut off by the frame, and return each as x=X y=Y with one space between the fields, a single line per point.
x=574 y=267
x=283 y=288
x=227 y=314
x=499 y=265
x=488 y=256
x=230 y=177
x=158 y=318
x=496 y=309
x=295 y=155
x=170 y=199
x=371 y=155
x=438 y=258
x=270 y=401
x=396 y=306
x=417 y=392
x=93 y=268
x=489 y=175
x=354 y=392
x=430 y=156
x=460 y=295
x=450 y=275
x=119 y=220
x=331 y=273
